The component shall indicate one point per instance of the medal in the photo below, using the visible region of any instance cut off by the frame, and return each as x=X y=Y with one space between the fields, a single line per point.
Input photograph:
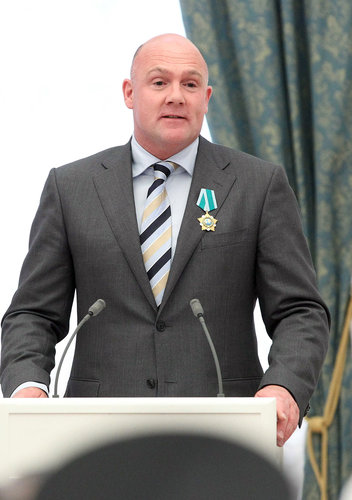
x=207 y=202
x=207 y=222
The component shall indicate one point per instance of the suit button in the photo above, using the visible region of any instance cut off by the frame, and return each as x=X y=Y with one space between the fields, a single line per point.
x=151 y=383
x=160 y=326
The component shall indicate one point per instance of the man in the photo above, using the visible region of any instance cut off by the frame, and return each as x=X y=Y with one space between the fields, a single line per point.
x=236 y=236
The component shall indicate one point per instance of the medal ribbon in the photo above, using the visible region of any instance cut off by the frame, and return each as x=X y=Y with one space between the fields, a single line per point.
x=206 y=200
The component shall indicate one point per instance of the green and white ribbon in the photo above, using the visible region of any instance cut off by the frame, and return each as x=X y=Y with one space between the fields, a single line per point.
x=207 y=200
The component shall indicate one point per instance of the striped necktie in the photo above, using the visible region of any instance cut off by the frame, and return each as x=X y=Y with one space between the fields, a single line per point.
x=155 y=234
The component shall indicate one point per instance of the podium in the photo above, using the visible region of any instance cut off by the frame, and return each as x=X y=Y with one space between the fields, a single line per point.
x=39 y=434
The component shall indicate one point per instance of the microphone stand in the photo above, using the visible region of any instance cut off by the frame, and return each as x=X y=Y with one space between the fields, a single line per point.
x=94 y=310
x=199 y=313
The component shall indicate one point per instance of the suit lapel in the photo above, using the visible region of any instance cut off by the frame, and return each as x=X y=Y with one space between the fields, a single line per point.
x=115 y=190
x=209 y=173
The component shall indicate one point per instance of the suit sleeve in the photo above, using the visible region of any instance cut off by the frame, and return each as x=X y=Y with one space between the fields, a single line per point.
x=294 y=314
x=38 y=316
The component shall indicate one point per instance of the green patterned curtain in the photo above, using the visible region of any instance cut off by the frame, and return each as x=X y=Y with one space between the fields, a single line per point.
x=281 y=73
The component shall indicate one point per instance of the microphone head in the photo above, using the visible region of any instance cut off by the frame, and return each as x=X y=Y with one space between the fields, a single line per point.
x=196 y=307
x=97 y=307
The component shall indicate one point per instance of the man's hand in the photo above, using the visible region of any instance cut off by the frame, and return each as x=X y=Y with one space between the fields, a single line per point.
x=286 y=409
x=30 y=392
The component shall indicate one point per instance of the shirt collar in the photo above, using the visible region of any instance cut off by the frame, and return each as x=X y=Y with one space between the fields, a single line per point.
x=142 y=159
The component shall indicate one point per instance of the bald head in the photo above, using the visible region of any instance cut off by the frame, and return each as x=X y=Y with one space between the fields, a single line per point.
x=171 y=40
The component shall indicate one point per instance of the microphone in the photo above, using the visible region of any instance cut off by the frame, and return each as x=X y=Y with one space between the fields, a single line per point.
x=97 y=307
x=94 y=310
x=198 y=311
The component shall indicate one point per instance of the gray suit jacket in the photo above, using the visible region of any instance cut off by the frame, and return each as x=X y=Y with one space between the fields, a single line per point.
x=85 y=237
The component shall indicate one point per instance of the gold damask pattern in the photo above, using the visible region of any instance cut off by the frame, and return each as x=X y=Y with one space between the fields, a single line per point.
x=282 y=78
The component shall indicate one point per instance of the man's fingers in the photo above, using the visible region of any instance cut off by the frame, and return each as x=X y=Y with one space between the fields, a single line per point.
x=286 y=422
x=286 y=409
x=282 y=422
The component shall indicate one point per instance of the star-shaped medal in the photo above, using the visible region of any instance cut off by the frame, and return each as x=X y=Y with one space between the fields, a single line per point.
x=207 y=222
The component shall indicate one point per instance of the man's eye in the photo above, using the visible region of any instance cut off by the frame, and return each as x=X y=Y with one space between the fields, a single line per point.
x=159 y=83
x=191 y=85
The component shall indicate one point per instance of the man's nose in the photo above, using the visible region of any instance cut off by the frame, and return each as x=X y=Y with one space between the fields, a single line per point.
x=175 y=94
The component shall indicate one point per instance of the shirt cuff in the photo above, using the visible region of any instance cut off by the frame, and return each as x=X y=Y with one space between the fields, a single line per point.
x=43 y=387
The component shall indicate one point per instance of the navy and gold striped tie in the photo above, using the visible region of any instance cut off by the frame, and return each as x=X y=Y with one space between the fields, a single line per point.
x=155 y=231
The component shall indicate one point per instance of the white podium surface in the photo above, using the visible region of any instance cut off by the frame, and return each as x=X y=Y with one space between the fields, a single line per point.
x=37 y=434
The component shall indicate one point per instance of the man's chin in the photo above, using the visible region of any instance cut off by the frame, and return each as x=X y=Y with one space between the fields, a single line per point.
x=173 y=137
x=167 y=143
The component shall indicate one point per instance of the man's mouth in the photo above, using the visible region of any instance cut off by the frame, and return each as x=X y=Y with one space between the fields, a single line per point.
x=174 y=117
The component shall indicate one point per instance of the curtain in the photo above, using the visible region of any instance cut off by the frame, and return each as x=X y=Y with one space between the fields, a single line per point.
x=281 y=73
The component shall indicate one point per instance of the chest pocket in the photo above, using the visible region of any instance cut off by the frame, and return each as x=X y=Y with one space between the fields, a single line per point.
x=213 y=239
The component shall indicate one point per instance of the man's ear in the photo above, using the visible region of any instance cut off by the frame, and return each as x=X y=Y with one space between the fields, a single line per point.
x=127 y=90
x=208 y=94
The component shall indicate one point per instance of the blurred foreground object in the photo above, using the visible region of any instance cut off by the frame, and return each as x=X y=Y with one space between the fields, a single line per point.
x=168 y=466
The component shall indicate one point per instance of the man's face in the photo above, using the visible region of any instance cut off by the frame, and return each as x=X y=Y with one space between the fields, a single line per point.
x=168 y=93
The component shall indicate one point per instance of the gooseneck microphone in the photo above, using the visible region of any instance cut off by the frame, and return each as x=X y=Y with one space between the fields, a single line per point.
x=198 y=311
x=94 y=310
